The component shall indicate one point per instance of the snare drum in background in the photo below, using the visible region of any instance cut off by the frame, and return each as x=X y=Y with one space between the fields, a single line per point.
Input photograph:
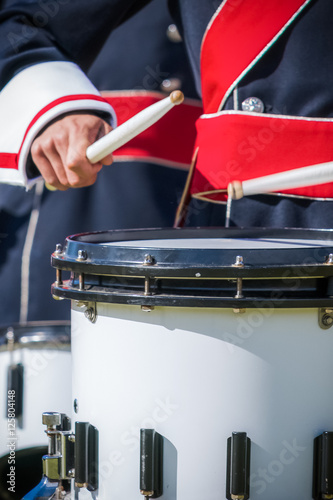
x=199 y=334
x=35 y=362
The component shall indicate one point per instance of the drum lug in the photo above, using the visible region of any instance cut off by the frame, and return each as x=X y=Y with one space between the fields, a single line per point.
x=238 y=466
x=151 y=463
x=325 y=318
x=322 y=486
x=86 y=456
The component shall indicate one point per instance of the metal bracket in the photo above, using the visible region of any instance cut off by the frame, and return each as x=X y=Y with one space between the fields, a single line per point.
x=58 y=464
x=90 y=311
x=71 y=455
x=325 y=318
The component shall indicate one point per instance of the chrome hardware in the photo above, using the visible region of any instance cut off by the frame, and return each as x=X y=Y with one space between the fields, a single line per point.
x=58 y=249
x=91 y=312
x=239 y=261
x=149 y=260
x=58 y=464
x=329 y=260
x=325 y=318
x=71 y=456
x=81 y=255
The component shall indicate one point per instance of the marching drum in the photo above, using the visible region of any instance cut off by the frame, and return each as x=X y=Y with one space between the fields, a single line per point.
x=35 y=372
x=215 y=343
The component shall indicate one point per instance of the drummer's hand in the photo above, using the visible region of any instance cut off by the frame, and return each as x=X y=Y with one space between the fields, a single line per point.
x=59 y=152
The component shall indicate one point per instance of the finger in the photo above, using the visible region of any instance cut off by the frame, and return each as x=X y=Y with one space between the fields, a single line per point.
x=49 y=175
x=49 y=164
x=80 y=172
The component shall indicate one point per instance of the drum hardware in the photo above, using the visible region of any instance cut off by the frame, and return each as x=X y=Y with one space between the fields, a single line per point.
x=151 y=463
x=323 y=467
x=149 y=260
x=71 y=455
x=239 y=293
x=58 y=250
x=329 y=260
x=59 y=277
x=86 y=456
x=193 y=340
x=325 y=318
x=178 y=285
x=81 y=255
x=239 y=263
x=58 y=464
x=238 y=466
x=90 y=311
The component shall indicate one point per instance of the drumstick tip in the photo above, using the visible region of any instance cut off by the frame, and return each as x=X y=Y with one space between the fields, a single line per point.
x=235 y=190
x=176 y=97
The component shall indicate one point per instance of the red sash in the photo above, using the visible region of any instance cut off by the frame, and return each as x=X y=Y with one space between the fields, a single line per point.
x=234 y=145
x=169 y=141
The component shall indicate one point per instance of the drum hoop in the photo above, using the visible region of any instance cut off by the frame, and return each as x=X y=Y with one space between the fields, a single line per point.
x=87 y=256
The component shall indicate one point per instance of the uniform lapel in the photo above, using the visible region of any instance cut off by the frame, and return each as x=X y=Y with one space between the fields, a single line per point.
x=238 y=35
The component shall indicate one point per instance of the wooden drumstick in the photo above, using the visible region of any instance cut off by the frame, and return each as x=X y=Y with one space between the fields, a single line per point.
x=296 y=178
x=132 y=127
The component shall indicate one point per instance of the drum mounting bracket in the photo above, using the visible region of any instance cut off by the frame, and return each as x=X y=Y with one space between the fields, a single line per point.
x=325 y=317
x=90 y=310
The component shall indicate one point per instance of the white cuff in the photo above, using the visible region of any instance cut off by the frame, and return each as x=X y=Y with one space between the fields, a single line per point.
x=31 y=100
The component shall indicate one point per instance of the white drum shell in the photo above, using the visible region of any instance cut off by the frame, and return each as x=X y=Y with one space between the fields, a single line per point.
x=195 y=376
x=47 y=387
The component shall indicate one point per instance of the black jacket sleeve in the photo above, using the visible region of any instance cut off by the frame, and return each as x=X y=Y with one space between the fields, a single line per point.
x=57 y=30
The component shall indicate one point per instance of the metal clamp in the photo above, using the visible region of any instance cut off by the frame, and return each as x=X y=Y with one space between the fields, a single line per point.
x=58 y=464
x=71 y=456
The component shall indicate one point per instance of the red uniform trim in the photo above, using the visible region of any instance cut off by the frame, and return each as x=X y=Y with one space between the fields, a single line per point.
x=10 y=160
x=170 y=140
x=239 y=33
x=240 y=146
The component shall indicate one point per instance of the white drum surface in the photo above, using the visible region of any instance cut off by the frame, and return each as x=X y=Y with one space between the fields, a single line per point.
x=195 y=376
x=223 y=244
x=47 y=387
